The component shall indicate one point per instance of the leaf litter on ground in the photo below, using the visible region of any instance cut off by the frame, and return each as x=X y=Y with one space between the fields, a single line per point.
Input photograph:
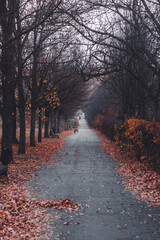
x=142 y=181
x=21 y=216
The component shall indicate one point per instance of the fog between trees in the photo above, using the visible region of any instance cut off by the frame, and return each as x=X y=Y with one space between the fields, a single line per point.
x=49 y=46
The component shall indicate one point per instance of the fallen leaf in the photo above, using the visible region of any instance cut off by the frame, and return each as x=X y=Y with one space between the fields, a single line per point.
x=77 y=223
x=66 y=223
x=124 y=227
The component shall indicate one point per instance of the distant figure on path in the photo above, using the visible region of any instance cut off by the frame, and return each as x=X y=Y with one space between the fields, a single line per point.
x=76 y=130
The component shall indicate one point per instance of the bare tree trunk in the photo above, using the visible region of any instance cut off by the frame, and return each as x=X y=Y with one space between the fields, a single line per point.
x=8 y=79
x=22 y=140
x=51 y=119
x=21 y=107
x=61 y=123
x=7 y=123
x=21 y=103
x=33 y=123
x=14 y=123
x=58 y=122
x=46 y=135
x=39 y=129
x=54 y=120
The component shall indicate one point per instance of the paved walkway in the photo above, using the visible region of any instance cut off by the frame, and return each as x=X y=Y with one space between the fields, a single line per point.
x=87 y=176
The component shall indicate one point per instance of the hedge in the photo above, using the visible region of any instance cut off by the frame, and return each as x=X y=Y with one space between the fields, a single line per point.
x=140 y=138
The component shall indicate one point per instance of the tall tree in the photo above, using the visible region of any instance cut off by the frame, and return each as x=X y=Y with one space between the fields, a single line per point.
x=7 y=20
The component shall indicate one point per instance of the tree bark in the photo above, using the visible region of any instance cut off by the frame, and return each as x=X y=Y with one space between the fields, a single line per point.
x=40 y=129
x=7 y=13
x=33 y=123
x=21 y=102
x=21 y=107
x=46 y=135
x=58 y=122
x=7 y=121
x=14 y=123
x=22 y=140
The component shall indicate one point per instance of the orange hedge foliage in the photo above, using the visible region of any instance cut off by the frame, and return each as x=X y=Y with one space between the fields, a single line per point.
x=141 y=138
x=98 y=121
x=105 y=124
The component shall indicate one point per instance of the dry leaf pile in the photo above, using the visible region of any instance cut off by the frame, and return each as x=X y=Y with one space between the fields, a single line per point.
x=20 y=216
x=64 y=204
x=143 y=182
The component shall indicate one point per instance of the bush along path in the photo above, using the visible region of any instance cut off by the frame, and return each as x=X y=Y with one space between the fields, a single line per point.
x=21 y=216
x=85 y=176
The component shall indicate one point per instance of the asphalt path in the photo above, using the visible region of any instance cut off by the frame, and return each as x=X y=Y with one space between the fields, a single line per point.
x=86 y=175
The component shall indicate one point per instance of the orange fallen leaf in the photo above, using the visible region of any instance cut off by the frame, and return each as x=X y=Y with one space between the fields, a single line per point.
x=124 y=227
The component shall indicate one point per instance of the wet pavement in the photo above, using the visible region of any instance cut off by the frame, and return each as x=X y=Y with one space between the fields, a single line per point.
x=86 y=175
